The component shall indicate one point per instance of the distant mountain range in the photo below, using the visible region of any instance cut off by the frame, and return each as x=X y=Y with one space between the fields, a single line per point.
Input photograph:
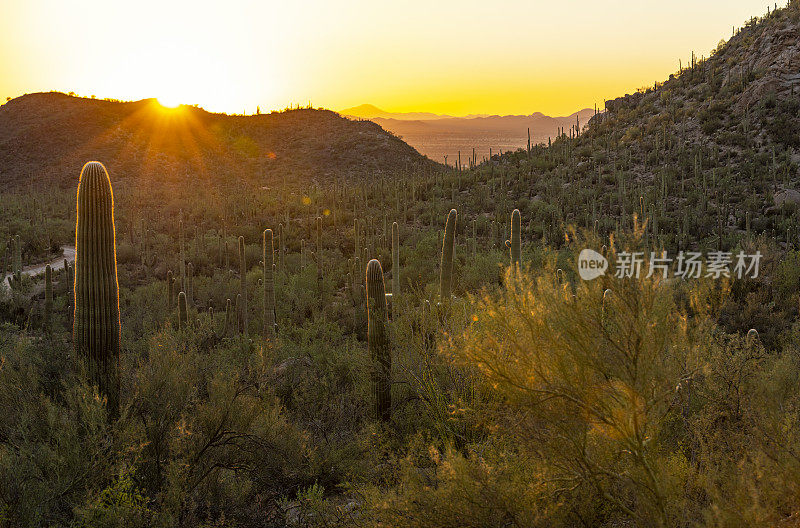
x=368 y=111
x=438 y=136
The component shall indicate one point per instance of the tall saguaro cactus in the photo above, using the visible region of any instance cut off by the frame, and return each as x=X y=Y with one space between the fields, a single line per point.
x=183 y=312
x=269 y=284
x=378 y=341
x=170 y=293
x=182 y=265
x=189 y=285
x=228 y=318
x=48 y=298
x=395 y=269
x=241 y=303
x=448 y=248
x=319 y=261
x=515 y=244
x=280 y=248
x=96 y=327
x=17 y=259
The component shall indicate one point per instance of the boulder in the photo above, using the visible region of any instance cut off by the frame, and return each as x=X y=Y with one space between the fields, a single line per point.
x=786 y=196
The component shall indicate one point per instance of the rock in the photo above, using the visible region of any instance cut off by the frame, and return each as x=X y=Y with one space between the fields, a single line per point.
x=786 y=196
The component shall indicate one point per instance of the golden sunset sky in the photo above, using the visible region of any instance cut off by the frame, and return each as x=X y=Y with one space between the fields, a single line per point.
x=443 y=56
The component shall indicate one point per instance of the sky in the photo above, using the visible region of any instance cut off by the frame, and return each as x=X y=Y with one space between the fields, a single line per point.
x=442 y=56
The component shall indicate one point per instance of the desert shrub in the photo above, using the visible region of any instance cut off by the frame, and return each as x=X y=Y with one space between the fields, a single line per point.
x=54 y=449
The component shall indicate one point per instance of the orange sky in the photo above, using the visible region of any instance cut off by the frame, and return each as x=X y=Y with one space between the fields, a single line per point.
x=444 y=56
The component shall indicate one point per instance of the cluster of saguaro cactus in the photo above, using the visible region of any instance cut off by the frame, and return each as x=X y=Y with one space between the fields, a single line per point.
x=269 y=284
x=448 y=249
x=96 y=327
x=378 y=340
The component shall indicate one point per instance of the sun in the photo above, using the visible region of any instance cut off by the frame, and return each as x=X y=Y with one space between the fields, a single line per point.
x=168 y=101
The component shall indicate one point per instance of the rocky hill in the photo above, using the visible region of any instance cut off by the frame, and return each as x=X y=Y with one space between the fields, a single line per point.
x=707 y=158
x=51 y=135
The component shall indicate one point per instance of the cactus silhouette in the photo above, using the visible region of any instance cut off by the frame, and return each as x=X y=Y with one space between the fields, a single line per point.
x=241 y=304
x=269 y=284
x=378 y=340
x=239 y=314
x=319 y=261
x=226 y=331
x=515 y=244
x=182 y=265
x=395 y=268
x=96 y=327
x=48 y=298
x=189 y=285
x=183 y=313
x=448 y=248
x=17 y=259
x=279 y=267
x=170 y=293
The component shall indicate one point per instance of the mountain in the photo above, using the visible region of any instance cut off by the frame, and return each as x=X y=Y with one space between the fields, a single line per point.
x=709 y=158
x=53 y=134
x=368 y=111
x=446 y=135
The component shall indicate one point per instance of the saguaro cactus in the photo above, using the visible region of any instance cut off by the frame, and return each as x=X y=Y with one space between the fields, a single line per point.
x=71 y=281
x=183 y=312
x=515 y=244
x=378 y=341
x=319 y=261
x=241 y=304
x=17 y=259
x=395 y=269
x=280 y=248
x=48 y=298
x=448 y=248
x=182 y=265
x=189 y=285
x=96 y=327
x=228 y=318
x=170 y=293
x=238 y=310
x=269 y=284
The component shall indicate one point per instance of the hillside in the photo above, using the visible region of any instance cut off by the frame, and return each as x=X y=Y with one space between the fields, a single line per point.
x=53 y=134
x=709 y=156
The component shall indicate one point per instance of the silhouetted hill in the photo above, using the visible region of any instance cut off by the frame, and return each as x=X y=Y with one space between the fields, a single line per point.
x=54 y=134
